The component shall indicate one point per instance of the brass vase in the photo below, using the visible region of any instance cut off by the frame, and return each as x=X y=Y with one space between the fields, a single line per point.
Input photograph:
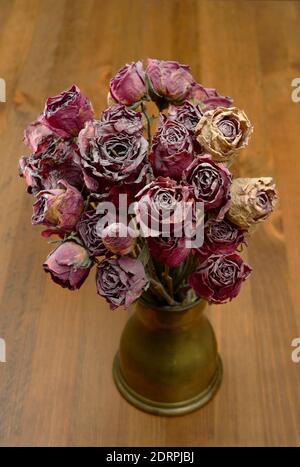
x=168 y=363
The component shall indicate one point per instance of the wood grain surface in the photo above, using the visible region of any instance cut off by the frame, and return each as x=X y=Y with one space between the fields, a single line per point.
x=56 y=387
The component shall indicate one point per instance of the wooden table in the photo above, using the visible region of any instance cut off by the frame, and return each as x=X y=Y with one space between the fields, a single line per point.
x=56 y=386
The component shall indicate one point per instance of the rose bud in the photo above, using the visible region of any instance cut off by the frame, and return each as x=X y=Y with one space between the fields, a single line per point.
x=128 y=85
x=168 y=250
x=208 y=98
x=187 y=114
x=168 y=80
x=67 y=113
x=252 y=200
x=69 y=265
x=118 y=118
x=88 y=232
x=210 y=183
x=119 y=238
x=59 y=208
x=120 y=280
x=172 y=149
x=223 y=132
x=220 y=238
x=219 y=278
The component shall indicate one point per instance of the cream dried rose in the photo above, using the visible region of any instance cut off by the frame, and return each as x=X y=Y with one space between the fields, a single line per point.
x=252 y=200
x=223 y=132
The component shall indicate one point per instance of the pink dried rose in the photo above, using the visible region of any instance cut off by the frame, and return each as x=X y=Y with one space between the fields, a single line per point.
x=208 y=98
x=220 y=238
x=59 y=208
x=210 y=183
x=119 y=238
x=172 y=150
x=128 y=85
x=219 y=278
x=168 y=80
x=252 y=201
x=171 y=251
x=118 y=118
x=120 y=280
x=67 y=113
x=38 y=136
x=69 y=265
x=87 y=230
x=223 y=132
x=187 y=114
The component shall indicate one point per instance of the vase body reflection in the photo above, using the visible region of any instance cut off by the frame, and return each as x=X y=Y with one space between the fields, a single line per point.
x=168 y=363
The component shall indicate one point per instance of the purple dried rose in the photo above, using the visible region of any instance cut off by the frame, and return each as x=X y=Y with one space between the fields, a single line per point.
x=88 y=230
x=120 y=280
x=69 y=265
x=54 y=160
x=119 y=238
x=187 y=114
x=165 y=208
x=67 y=113
x=168 y=80
x=118 y=118
x=211 y=184
x=169 y=250
x=128 y=85
x=172 y=149
x=59 y=208
x=220 y=238
x=208 y=98
x=219 y=278
x=119 y=157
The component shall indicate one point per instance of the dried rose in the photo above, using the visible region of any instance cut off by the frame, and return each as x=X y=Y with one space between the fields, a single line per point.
x=128 y=85
x=119 y=157
x=172 y=149
x=211 y=184
x=168 y=250
x=168 y=80
x=187 y=114
x=59 y=208
x=252 y=200
x=118 y=118
x=67 y=113
x=120 y=280
x=119 y=238
x=89 y=233
x=220 y=238
x=208 y=98
x=223 y=132
x=38 y=136
x=219 y=278
x=165 y=208
x=69 y=265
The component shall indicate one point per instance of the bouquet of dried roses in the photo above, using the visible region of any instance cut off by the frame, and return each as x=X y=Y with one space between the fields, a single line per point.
x=158 y=216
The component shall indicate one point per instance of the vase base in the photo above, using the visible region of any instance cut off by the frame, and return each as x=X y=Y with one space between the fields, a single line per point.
x=164 y=408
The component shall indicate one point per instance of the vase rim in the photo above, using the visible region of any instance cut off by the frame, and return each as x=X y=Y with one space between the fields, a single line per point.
x=171 y=308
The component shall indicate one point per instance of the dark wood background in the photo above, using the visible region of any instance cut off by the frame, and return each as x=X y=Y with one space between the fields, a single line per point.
x=56 y=386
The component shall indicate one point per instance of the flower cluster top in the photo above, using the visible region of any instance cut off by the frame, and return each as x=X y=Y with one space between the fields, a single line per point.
x=133 y=204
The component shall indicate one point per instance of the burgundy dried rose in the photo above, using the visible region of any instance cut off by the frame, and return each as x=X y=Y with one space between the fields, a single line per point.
x=59 y=208
x=118 y=118
x=120 y=280
x=69 y=265
x=67 y=113
x=211 y=184
x=172 y=149
x=168 y=250
x=219 y=278
x=168 y=80
x=38 y=136
x=220 y=238
x=128 y=85
x=165 y=208
x=187 y=114
x=88 y=230
x=119 y=238
x=208 y=98
x=117 y=158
